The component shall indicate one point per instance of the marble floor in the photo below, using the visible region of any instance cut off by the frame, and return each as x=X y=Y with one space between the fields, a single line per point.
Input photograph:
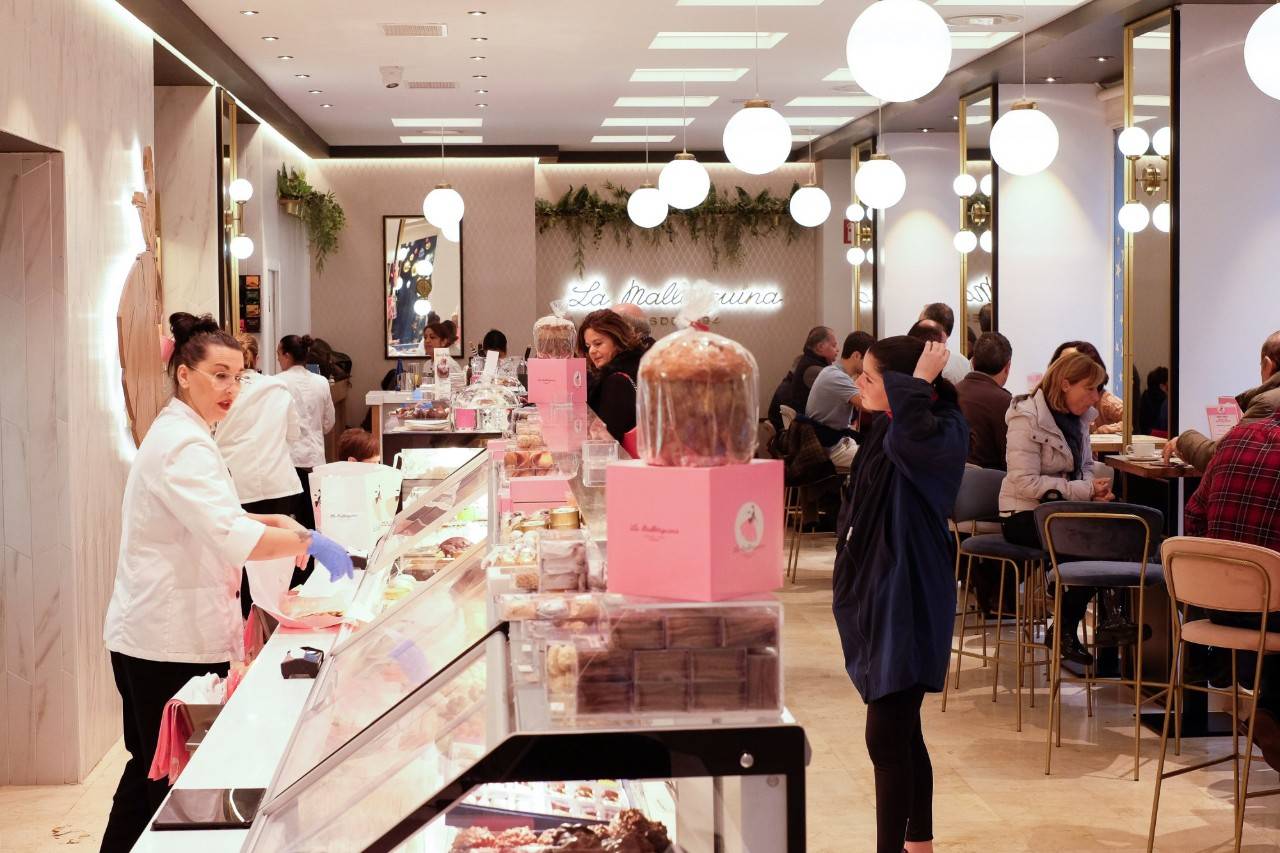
x=991 y=793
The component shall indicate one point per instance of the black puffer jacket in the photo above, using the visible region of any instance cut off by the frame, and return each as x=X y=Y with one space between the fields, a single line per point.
x=611 y=392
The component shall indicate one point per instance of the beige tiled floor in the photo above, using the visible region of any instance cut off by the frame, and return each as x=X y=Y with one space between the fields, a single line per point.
x=991 y=793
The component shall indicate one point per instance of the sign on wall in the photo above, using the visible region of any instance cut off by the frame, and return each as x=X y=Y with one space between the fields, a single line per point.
x=663 y=301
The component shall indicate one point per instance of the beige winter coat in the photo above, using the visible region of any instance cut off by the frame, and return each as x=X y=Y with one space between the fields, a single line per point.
x=1039 y=458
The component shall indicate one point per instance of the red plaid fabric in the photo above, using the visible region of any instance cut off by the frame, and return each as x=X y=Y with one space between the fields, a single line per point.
x=1239 y=497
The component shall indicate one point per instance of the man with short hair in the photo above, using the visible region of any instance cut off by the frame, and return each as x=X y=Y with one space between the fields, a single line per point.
x=927 y=331
x=636 y=319
x=833 y=400
x=1255 y=404
x=820 y=349
x=957 y=366
x=984 y=400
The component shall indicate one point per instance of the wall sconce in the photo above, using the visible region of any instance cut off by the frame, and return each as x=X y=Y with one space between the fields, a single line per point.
x=240 y=191
x=1148 y=180
x=857 y=231
x=975 y=199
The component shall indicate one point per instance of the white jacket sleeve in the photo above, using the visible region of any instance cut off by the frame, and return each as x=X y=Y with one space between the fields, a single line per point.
x=196 y=494
x=1022 y=456
x=293 y=422
x=330 y=416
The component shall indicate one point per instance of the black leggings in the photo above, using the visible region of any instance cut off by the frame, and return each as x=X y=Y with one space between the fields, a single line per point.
x=904 y=775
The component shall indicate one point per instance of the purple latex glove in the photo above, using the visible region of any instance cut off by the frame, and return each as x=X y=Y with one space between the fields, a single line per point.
x=331 y=555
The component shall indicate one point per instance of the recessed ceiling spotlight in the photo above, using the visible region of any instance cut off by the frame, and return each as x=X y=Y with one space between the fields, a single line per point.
x=315 y=91
x=475 y=58
x=248 y=12
x=303 y=76
x=955 y=118
x=482 y=91
x=479 y=38
x=284 y=56
x=326 y=106
x=1051 y=79
x=925 y=129
x=482 y=106
x=1101 y=58
x=479 y=76
x=271 y=38
x=477 y=12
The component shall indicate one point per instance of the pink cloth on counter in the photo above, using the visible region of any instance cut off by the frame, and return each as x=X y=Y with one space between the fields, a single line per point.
x=171 y=750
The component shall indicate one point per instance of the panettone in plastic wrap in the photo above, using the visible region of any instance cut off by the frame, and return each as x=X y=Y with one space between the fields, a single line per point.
x=555 y=337
x=698 y=401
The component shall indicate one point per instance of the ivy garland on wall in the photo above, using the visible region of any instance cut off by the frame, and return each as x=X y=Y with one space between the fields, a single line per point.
x=724 y=220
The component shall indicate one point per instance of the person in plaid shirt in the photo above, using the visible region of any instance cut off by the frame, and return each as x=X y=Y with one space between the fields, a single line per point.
x=1239 y=499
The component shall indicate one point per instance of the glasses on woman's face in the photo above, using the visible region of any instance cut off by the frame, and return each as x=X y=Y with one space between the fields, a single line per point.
x=222 y=379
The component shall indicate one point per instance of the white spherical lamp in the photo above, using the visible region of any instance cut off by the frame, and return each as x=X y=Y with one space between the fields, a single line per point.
x=240 y=190
x=965 y=242
x=809 y=206
x=443 y=205
x=646 y=207
x=1133 y=217
x=241 y=247
x=855 y=212
x=684 y=182
x=880 y=182
x=898 y=50
x=757 y=139
x=985 y=185
x=985 y=241
x=1133 y=142
x=1161 y=216
x=451 y=231
x=1262 y=52
x=871 y=256
x=965 y=185
x=1024 y=140
x=423 y=268
x=421 y=307
x=855 y=256
x=1162 y=141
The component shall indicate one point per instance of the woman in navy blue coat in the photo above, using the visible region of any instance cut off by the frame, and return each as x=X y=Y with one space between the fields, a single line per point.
x=894 y=585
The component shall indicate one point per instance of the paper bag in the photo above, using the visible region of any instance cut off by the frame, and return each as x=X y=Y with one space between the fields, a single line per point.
x=355 y=502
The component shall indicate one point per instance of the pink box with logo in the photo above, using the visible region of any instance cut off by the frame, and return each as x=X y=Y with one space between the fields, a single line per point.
x=551 y=489
x=565 y=426
x=695 y=534
x=557 y=380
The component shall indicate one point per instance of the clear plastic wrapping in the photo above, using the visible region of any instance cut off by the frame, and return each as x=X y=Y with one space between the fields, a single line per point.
x=555 y=337
x=698 y=401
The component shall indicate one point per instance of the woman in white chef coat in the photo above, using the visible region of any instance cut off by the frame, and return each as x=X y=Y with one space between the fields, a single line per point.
x=314 y=400
x=254 y=440
x=174 y=612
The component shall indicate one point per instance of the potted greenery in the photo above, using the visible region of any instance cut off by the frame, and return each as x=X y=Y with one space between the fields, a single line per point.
x=321 y=214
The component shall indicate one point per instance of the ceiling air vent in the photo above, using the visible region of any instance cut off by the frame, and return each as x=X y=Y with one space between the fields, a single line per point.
x=415 y=30
x=431 y=84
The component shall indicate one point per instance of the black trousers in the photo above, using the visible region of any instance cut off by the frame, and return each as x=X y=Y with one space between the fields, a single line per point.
x=304 y=513
x=904 y=774
x=287 y=505
x=145 y=686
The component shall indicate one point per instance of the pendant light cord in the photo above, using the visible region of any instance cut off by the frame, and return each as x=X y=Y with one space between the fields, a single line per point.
x=813 y=166
x=684 y=122
x=756 y=51
x=1024 y=50
x=442 y=170
x=880 y=128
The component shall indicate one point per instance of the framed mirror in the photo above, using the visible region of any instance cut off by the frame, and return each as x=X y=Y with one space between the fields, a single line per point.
x=976 y=185
x=1146 y=222
x=422 y=285
x=228 y=290
x=862 y=247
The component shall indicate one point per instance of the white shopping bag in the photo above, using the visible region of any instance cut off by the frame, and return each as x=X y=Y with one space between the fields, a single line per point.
x=355 y=502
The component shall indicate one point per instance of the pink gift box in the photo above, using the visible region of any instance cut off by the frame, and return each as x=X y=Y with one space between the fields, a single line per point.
x=553 y=488
x=557 y=380
x=695 y=534
x=565 y=427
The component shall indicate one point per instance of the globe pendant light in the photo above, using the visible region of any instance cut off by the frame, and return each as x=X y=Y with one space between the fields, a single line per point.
x=898 y=50
x=451 y=231
x=855 y=256
x=1133 y=217
x=1160 y=217
x=241 y=247
x=809 y=205
x=964 y=185
x=855 y=212
x=880 y=182
x=646 y=207
x=684 y=181
x=965 y=242
x=1024 y=140
x=1133 y=142
x=443 y=207
x=1262 y=52
x=757 y=139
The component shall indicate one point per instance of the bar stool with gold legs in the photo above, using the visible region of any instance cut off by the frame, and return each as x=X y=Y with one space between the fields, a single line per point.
x=1230 y=577
x=1109 y=547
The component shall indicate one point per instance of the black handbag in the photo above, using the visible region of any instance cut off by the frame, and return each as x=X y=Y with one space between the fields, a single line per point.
x=1019 y=528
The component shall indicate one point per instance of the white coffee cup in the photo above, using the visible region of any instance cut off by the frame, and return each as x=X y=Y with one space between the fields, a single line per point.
x=1141 y=449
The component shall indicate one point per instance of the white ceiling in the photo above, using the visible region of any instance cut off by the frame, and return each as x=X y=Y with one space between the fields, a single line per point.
x=556 y=68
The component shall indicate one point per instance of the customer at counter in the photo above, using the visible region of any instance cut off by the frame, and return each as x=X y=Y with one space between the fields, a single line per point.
x=442 y=334
x=1049 y=457
x=1255 y=404
x=635 y=315
x=358 y=445
x=894 y=591
x=613 y=351
x=173 y=613
x=314 y=401
x=985 y=402
x=1110 y=408
x=493 y=341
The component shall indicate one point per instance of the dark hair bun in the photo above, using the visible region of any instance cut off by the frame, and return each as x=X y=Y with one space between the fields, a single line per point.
x=185 y=326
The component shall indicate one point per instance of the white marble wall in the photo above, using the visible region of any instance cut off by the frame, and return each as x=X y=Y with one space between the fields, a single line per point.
x=186 y=147
x=75 y=76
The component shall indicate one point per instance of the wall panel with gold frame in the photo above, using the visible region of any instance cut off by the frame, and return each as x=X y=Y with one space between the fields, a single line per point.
x=228 y=279
x=977 y=185
x=863 y=235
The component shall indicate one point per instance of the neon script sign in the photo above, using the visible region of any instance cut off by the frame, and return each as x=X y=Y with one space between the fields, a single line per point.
x=584 y=295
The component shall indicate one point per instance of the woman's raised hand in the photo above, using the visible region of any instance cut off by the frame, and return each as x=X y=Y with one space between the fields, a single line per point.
x=932 y=360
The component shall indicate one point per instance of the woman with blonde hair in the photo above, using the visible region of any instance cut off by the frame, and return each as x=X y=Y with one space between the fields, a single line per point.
x=1049 y=457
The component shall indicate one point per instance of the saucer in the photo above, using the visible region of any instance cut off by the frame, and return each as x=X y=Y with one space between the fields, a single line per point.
x=1155 y=457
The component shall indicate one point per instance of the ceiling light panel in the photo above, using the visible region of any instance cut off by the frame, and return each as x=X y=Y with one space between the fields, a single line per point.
x=1152 y=41
x=646 y=121
x=818 y=121
x=632 y=138
x=1151 y=100
x=437 y=122
x=1065 y=4
x=803 y=137
x=748 y=3
x=840 y=75
x=715 y=41
x=666 y=101
x=979 y=40
x=687 y=75
x=426 y=139
x=834 y=101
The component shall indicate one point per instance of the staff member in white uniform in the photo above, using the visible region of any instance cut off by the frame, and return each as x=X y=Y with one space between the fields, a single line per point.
x=173 y=613
x=254 y=440
x=314 y=400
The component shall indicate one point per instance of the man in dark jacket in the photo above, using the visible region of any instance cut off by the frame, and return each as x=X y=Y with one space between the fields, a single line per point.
x=984 y=400
x=820 y=350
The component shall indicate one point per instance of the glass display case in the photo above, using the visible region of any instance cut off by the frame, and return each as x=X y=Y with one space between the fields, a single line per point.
x=424 y=468
x=459 y=764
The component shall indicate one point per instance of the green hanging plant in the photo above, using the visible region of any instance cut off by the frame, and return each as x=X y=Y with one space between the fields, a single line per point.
x=723 y=220
x=321 y=214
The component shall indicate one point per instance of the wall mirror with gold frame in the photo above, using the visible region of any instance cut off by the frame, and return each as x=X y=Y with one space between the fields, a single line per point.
x=1150 y=285
x=228 y=289
x=976 y=186
x=862 y=247
x=422 y=283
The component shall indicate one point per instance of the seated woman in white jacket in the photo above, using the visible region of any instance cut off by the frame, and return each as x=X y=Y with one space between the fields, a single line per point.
x=174 y=612
x=1049 y=456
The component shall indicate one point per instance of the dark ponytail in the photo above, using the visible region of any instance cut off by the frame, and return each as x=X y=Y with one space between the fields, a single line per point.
x=297 y=347
x=900 y=354
x=192 y=336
